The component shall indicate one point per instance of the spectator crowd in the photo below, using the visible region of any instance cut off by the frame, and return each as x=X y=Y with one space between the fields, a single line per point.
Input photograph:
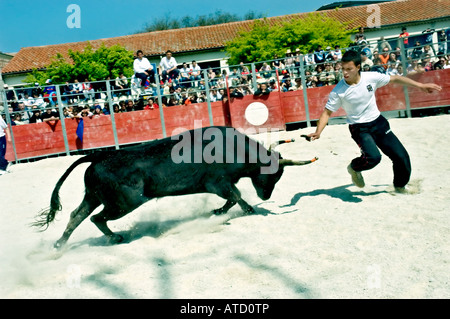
x=186 y=83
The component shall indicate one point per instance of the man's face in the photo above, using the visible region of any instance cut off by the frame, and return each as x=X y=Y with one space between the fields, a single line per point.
x=168 y=55
x=140 y=55
x=350 y=71
x=385 y=52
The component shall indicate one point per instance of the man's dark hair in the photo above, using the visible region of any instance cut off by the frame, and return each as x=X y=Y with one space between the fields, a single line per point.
x=350 y=56
x=139 y=51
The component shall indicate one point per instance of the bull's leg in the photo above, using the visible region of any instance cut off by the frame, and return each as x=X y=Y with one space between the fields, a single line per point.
x=111 y=213
x=225 y=208
x=87 y=206
x=229 y=192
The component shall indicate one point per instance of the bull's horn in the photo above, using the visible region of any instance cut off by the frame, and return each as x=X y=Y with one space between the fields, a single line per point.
x=272 y=146
x=288 y=162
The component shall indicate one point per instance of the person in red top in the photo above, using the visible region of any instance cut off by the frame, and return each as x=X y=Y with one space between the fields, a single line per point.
x=404 y=35
x=151 y=105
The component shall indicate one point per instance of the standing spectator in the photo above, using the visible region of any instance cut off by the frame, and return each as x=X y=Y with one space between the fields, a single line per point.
x=382 y=43
x=195 y=73
x=319 y=70
x=168 y=67
x=428 y=32
x=143 y=69
x=185 y=76
x=442 y=42
x=405 y=36
x=4 y=137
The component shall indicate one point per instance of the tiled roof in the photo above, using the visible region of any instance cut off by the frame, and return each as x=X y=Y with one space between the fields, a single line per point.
x=215 y=36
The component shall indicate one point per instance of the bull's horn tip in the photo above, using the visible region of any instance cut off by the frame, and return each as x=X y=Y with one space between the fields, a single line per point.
x=314 y=159
x=292 y=139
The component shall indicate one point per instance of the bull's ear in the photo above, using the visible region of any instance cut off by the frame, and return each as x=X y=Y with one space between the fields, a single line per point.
x=288 y=162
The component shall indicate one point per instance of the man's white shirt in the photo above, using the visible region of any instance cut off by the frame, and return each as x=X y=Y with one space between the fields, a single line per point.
x=141 y=66
x=358 y=100
x=167 y=64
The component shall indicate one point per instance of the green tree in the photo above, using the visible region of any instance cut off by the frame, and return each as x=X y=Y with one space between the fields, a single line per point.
x=88 y=64
x=263 y=41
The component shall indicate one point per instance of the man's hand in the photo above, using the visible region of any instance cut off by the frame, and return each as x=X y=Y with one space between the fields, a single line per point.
x=314 y=136
x=430 y=87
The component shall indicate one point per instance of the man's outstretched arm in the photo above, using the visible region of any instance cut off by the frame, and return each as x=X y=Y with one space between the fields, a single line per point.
x=426 y=87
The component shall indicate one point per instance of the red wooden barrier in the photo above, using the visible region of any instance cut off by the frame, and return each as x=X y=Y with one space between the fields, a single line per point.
x=270 y=112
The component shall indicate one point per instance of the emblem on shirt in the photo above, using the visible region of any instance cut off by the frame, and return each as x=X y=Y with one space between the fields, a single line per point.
x=370 y=88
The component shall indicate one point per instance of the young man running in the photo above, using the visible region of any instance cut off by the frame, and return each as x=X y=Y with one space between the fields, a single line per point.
x=370 y=130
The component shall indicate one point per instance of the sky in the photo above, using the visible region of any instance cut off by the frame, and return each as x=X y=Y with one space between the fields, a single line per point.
x=26 y=23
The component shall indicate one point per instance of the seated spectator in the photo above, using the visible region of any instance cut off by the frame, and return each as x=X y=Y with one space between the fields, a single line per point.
x=273 y=86
x=235 y=77
x=276 y=63
x=130 y=106
x=311 y=80
x=338 y=71
x=143 y=69
x=151 y=104
x=427 y=64
x=168 y=68
x=265 y=71
x=121 y=84
x=319 y=55
x=298 y=84
x=49 y=92
x=50 y=115
x=214 y=95
x=289 y=62
x=318 y=74
x=67 y=93
x=337 y=53
x=38 y=101
x=36 y=117
x=286 y=85
x=237 y=92
x=384 y=57
x=195 y=73
x=309 y=60
x=417 y=52
x=392 y=68
x=122 y=106
x=212 y=77
x=185 y=76
x=393 y=59
x=68 y=112
x=413 y=68
x=377 y=67
x=365 y=60
x=116 y=108
x=88 y=90
x=97 y=111
x=427 y=51
x=440 y=64
x=327 y=76
x=263 y=89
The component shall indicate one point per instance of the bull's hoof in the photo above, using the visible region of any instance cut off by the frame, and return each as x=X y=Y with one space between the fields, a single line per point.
x=218 y=211
x=115 y=239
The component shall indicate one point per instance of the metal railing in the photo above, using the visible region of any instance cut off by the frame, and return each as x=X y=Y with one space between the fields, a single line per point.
x=281 y=74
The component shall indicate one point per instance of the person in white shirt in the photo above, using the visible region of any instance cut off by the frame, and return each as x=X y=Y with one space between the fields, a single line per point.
x=195 y=73
x=168 y=67
x=143 y=69
x=185 y=74
x=355 y=93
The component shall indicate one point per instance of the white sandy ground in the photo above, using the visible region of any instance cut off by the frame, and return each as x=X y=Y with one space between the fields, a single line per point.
x=317 y=237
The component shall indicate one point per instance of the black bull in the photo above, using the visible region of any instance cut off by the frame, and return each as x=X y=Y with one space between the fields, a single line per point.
x=207 y=160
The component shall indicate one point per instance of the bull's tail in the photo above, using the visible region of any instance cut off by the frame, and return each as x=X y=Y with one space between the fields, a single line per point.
x=46 y=216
